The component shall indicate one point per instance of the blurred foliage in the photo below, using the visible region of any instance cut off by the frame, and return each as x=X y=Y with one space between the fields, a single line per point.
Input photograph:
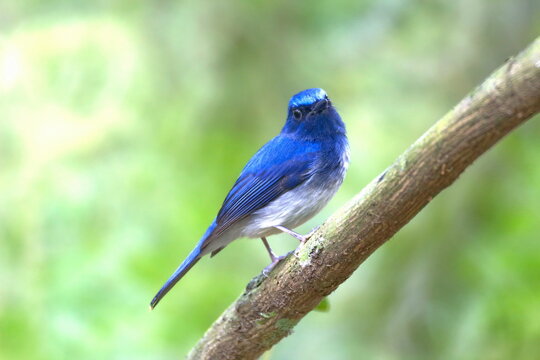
x=124 y=123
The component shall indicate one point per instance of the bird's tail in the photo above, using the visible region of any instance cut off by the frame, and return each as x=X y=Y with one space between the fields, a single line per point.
x=184 y=267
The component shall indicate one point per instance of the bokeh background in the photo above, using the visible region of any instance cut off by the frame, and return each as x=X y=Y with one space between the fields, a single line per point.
x=124 y=123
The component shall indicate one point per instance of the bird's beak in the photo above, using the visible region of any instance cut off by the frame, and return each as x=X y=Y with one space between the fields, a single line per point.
x=321 y=106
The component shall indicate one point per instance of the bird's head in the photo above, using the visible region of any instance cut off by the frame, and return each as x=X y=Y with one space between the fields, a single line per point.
x=311 y=116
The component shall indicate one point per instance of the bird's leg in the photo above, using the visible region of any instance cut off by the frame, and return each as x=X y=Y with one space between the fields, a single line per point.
x=273 y=256
x=275 y=259
x=301 y=238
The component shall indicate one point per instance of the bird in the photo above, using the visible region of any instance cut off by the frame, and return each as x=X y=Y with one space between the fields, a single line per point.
x=287 y=182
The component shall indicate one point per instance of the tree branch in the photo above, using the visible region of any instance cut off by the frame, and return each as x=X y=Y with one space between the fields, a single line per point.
x=271 y=307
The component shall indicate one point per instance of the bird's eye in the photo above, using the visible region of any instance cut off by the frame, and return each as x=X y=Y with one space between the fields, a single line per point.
x=297 y=114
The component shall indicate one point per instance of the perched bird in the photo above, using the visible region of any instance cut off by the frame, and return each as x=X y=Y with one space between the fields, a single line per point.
x=289 y=180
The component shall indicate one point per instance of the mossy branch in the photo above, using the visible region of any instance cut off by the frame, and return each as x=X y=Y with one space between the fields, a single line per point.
x=271 y=307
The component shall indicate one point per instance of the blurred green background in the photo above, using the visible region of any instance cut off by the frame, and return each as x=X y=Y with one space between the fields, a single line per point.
x=124 y=123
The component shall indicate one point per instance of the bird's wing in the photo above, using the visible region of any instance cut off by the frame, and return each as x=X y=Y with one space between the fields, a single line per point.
x=278 y=167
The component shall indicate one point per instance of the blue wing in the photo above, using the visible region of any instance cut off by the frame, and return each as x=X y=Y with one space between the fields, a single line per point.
x=279 y=166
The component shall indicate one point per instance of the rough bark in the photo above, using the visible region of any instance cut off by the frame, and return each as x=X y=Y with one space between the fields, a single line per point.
x=270 y=307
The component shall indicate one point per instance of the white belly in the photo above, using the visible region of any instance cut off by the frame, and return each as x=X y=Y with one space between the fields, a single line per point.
x=290 y=210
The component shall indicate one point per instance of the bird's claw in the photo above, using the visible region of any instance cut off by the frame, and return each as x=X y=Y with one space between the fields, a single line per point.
x=275 y=260
x=310 y=234
x=305 y=239
x=266 y=271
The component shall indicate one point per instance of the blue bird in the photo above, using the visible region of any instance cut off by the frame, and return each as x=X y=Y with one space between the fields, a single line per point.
x=289 y=180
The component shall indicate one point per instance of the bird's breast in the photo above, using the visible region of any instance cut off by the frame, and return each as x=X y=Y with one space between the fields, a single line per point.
x=300 y=204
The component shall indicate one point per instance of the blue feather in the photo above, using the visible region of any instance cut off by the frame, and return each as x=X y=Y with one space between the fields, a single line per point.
x=184 y=267
x=279 y=166
x=307 y=97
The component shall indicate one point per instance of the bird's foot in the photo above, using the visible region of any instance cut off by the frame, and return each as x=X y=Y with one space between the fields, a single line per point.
x=306 y=237
x=275 y=260
x=310 y=234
